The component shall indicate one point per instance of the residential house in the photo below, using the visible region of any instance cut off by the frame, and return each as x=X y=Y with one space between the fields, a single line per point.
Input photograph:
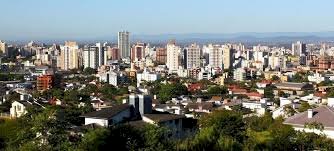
x=311 y=99
x=258 y=107
x=202 y=107
x=19 y=108
x=322 y=116
x=171 y=121
x=254 y=95
x=147 y=76
x=109 y=116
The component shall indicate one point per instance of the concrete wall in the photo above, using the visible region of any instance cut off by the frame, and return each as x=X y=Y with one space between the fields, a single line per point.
x=328 y=133
x=102 y=122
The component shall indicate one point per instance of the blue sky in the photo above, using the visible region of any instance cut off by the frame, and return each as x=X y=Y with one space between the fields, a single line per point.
x=100 y=18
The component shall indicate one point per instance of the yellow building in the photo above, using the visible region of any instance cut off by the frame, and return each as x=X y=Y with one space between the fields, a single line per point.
x=270 y=74
x=69 y=58
x=284 y=78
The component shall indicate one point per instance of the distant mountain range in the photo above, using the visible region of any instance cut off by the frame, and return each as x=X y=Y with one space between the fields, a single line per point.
x=241 y=37
x=245 y=37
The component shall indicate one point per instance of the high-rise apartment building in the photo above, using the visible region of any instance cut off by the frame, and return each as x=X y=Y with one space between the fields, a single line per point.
x=113 y=53
x=298 y=48
x=228 y=57
x=161 y=55
x=192 y=57
x=91 y=57
x=215 y=56
x=124 y=44
x=173 y=56
x=138 y=52
x=102 y=55
x=69 y=58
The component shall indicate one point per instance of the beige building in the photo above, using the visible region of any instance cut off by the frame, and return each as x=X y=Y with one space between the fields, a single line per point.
x=215 y=56
x=173 y=59
x=69 y=58
x=227 y=57
x=193 y=56
x=3 y=47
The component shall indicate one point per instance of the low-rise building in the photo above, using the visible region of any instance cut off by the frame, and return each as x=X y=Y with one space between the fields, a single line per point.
x=292 y=88
x=317 y=78
x=171 y=121
x=109 y=116
x=147 y=76
x=19 y=108
x=322 y=119
x=258 y=107
x=113 y=78
x=311 y=99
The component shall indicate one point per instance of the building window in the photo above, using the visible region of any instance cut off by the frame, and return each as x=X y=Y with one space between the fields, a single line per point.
x=18 y=108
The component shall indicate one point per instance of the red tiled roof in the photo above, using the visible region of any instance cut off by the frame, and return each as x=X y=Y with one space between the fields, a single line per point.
x=216 y=98
x=254 y=94
x=319 y=94
x=195 y=86
x=238 y=90
x=53 y=101
x=266 y=81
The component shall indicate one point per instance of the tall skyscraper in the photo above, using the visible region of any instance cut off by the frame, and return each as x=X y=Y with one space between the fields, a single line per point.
x=298 y=48
x=173 y=56
x=227 y=57
x=124 y=44
x=100 y=54
x=69 y=58
x=192 y=56
x=91 y=57
x=3 y=48
x=215 y=56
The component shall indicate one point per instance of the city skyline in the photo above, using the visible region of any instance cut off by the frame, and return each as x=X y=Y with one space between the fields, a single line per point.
x=41 y=20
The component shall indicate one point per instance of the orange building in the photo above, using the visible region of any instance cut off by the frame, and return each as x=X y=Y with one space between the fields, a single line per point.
x=326 y=63
x=44 y=82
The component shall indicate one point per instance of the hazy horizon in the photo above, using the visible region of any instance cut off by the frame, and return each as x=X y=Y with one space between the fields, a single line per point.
x=63 y=19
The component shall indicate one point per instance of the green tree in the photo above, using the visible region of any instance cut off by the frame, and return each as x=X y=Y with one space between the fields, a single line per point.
x=304 y=106
x=269 y=92
x=289 y=111
x=43 y=128
x=225 y=122
x=217 y=90
x=168 y=91
x=89 y=89
x=275 y=78
x=95 y=140
x=259 y=123
x=299 y=78
x=156 y=138
x=220 y=130
x=108 y=91
x=89 y=71
x=282 y=136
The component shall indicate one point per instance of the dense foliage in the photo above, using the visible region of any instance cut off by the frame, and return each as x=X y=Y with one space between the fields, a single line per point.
x=167 y=91
x=221 y=130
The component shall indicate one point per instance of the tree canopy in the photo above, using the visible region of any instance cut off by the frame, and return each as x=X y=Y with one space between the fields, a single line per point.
x=168 y=91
